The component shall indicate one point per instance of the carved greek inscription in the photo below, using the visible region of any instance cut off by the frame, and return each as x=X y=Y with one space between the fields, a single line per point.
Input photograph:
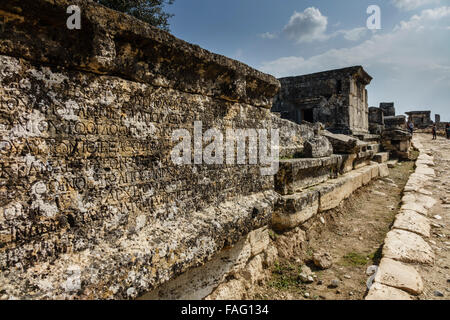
x=81 y=155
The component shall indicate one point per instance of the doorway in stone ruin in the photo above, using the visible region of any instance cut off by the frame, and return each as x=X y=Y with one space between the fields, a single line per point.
x=308 y=115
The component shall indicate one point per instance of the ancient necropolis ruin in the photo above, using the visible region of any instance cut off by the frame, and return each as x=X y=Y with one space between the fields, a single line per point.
x=336 y=98
x=92 y=205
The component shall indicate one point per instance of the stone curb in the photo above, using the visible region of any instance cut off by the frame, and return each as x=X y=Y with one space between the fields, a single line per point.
x=395 y=279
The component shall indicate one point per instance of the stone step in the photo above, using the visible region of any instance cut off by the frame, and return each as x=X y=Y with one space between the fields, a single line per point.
x=293 y=210
x=295 y=175
x=381 y=157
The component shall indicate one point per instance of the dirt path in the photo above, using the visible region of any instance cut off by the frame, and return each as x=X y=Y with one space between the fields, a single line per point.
x=352 y=234
x=437 y=277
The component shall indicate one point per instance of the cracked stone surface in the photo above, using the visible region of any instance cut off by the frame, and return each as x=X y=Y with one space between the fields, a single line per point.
x=399 y=275
x=414 y=222
x=406 y=246
x=379 y=291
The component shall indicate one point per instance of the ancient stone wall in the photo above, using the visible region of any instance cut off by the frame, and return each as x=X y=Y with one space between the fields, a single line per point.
x=91 y=203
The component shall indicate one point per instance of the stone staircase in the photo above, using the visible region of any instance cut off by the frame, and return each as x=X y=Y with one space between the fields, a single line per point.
x=310 y=186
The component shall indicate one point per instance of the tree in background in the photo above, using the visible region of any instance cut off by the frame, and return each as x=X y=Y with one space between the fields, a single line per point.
x=150 y=11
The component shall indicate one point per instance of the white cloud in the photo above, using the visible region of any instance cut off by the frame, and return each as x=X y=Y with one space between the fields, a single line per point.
x=354 y=34
x=392 y=48
x=268 y=35
x=411 y=63
x=311 y=25
x=307 y=26
x=413 y=4
x=426 y=16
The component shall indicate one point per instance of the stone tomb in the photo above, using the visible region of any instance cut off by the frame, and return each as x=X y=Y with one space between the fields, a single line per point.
x=336 y=98
x=421 y=119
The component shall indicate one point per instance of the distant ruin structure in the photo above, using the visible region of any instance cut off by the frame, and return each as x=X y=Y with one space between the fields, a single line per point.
x=437 y=118
x=420 y=119
x=395 y=137
x=336 y=98
x=388 y=109
x=376 y=120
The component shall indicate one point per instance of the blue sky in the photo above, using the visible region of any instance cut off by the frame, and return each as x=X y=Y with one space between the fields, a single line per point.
x=409 y=57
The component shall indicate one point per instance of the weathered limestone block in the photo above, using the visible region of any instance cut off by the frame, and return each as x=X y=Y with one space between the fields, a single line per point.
x=414 y=222
x=421 y=199
x=88 y=186
x=363 y=159
x=376 y=120
x=416 y=207
x=381 y=157
x=295 y=175
x=200 y=282
x=375 y=147
x=388 y=109
x=376 y=115
x=396 y=141
x=317 y=147
x=292 y=136
x=384 y=170
x=429 y=163
x=395 y=122
x=407 y=247
x=345 y=144
x=293 y=210
x=398 y=275
x=369 y=173
x=379 y=291
x=348 y=161
x=333 y=192
x=424 y=156
x=425 y=170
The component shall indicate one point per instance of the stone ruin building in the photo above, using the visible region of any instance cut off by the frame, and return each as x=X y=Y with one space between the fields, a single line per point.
x=388 y=109
x=420 y=119
x=392 y=129
x=376 y=120
x=441 y=125
x=336 y=98
x=91 y=204
x=437 y=119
